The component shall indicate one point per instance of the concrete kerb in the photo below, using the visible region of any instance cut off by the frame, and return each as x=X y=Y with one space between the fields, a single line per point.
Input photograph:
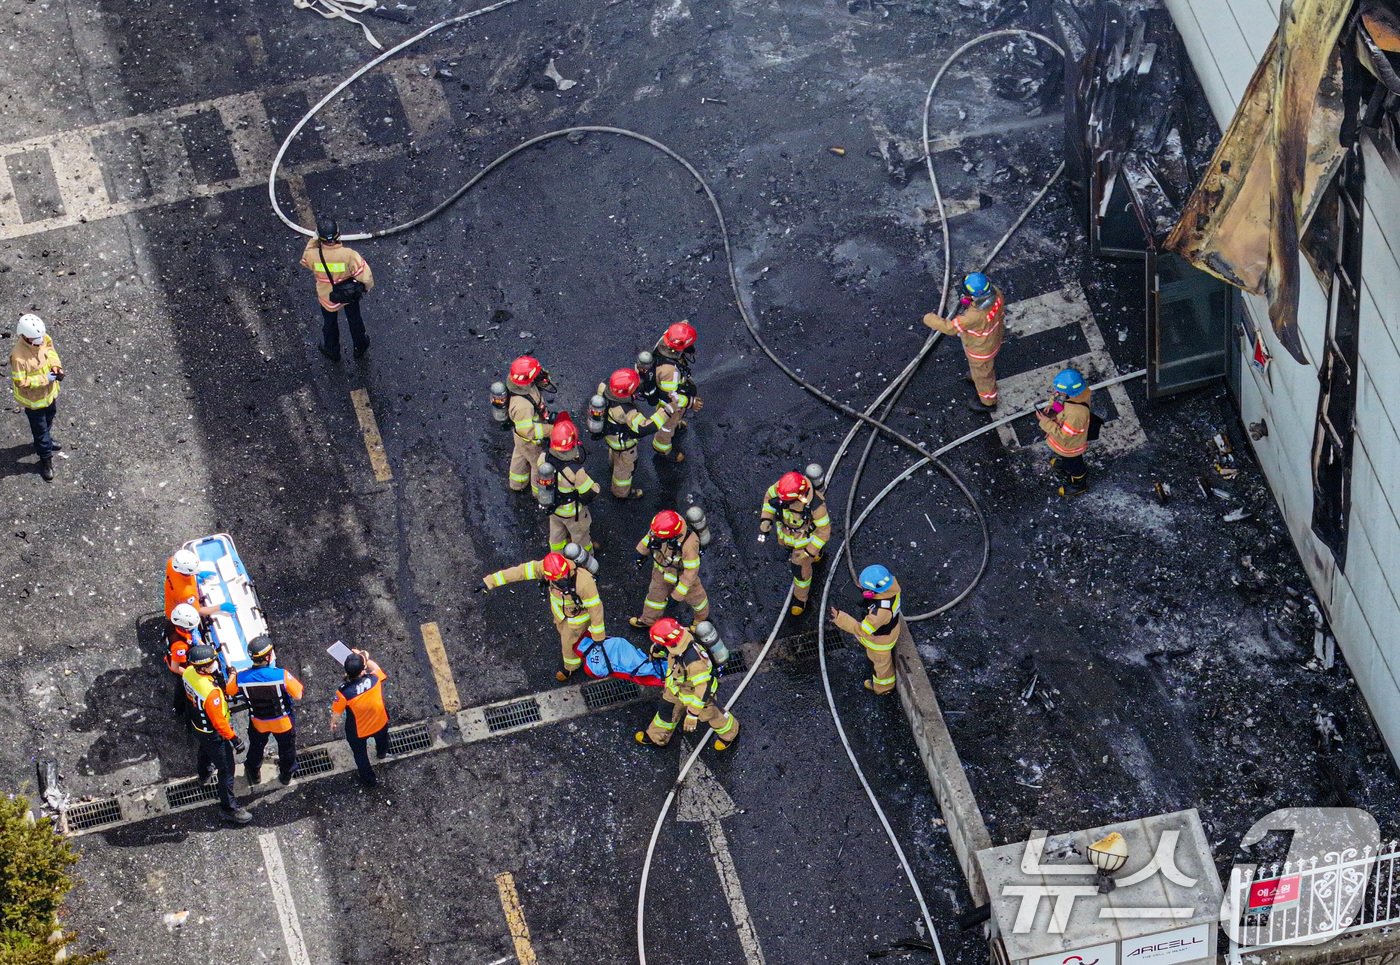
x=963 y=817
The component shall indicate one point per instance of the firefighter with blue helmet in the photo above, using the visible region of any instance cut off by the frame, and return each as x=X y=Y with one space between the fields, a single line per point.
x=979 y=325
x=879 y=628
x=1066 y=422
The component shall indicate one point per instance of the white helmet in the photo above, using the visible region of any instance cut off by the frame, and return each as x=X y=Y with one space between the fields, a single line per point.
x=184 y=616
x=184 y=562
x=31 y=327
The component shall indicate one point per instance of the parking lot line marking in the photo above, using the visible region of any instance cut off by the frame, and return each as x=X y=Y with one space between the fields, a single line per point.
x=369 y=428
x=282 y=898
x=515 y=918
x=442 y=672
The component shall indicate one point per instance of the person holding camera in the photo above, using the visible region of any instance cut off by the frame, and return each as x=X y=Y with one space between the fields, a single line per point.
x=343 y=277
x=35 y=372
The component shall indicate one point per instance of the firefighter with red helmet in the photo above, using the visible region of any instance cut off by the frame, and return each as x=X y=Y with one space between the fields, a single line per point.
x=623 y=425
x=675 y=555
x=980 y=327
x=689 y=689
x=530 y=420
x=798 y=509
x=569 y=518
x=573 y=601
x=671 y=380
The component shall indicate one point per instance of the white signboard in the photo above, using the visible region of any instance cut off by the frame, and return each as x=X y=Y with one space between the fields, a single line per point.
x=1097 y=955
x=1168 y=947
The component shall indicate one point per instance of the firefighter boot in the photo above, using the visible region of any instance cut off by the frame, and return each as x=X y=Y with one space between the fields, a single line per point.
x=46 y=468
x=1074 y=485
x=976 y=405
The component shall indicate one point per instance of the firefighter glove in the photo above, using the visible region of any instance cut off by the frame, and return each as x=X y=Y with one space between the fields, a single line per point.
x=641 y=559
x=690 y=722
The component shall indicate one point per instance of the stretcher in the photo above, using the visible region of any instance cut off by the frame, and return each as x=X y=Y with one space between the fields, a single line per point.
x=619 y=657
x=223 y=579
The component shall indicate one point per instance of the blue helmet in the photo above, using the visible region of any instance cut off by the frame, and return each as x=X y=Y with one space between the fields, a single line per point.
x=976 y=284
x=875 y=578
x=1070 y=382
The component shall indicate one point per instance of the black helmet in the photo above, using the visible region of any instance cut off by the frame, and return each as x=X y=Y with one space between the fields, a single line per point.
x=201 y=655
x=328 y=230
x=354 y=665
x=261 y=648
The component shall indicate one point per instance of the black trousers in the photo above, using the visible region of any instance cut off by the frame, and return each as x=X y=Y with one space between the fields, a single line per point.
x=41 y=426
x=359 y=746
x=1073 y=466
x=286 y=750
x=330 y=327
x=217 y=754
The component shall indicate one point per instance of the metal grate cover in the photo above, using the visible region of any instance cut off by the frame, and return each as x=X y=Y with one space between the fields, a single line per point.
x=413 y=737
x=92 y=814
x=313 y=762
x=516 y=714
x=735 y=664
x=605 y=693
x=185 y=793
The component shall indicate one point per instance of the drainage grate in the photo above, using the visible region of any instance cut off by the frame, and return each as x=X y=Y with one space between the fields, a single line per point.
x=605 y=693
x=735 y=664
x=516 y=714
x=803 y=646
x=91 y=814
x=313 y=762
x=413 y=737
x=194 y=791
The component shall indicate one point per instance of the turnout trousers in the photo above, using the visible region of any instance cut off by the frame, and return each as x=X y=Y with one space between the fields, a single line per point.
x=624 y=467
x=660 y=591
x=564 y=530
x=663 y=723
x=524 y=459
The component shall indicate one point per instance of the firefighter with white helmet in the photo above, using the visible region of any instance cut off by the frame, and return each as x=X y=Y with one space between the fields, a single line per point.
x=879 y=628
x=980 y=326
x=530 y=420
x=798 y=509
x=674 y=550
x=574 y=602
x=35 y=374
x=689 y=689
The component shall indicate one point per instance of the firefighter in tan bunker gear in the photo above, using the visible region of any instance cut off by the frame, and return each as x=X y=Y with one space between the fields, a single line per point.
x=623 y=425
x=689 y=689
x=804 y=526
x=671 y=381
x=1068 y=423
x=980 y=326
x=573 y=601
x=878 y=630
x=569 y=518
x=675 y=573
x=530 y=421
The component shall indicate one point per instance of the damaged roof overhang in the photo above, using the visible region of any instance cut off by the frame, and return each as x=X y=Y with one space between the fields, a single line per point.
x=1244 y=220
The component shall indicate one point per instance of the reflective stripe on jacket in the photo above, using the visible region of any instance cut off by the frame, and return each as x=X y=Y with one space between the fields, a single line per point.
x=689 y=674
x=879 y=630
x=341 y=262
x=526 y=411
x=30 y=366
x=800 y=524
x=571 y=481
x=1067 y=432
x=981 y=329
x=678 y=561
x=208 y=710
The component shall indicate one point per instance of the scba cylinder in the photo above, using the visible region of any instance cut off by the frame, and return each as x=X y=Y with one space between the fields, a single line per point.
x=695 y=516
x=709 y=637
x=581 y=557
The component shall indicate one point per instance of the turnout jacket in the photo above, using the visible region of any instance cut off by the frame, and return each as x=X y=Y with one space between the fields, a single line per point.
x=573 y=600
x=529 y=419
x=690 y=676
x=879 y=629
x=679 y=560
x=30 y=366
x=802 y=524
x=1067 y=431
x=572 y=484
x=980 y=329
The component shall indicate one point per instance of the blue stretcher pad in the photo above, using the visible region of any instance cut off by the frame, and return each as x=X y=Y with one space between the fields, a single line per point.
x=223 y=578
x=619 y=657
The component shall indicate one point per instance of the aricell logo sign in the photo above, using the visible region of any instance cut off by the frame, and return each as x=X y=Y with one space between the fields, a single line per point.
x=1168 y=948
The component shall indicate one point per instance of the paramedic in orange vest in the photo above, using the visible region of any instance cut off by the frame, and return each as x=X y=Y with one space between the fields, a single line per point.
x=271 y=693
x=182 y=586
x=330 y=262
x=980 y=327
x=361 y=700
x=1066 y=425
x=218 y=743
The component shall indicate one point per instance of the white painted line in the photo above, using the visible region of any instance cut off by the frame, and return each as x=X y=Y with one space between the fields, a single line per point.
x=9 y=204
x=249 y=134
x=282 y=898
x=424 y=103
x=1047 y=312
x=79 y=176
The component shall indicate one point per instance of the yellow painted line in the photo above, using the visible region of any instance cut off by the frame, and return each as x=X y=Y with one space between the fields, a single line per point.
x=437 y=656
x=369 y=428
x=515 y=918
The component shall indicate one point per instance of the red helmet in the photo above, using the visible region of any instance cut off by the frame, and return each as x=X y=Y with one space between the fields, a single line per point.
x=665 y=632
x=524 y=370
x=564 y=435
x=624 y=383
x=679 y=337
x=792 y=485
x=667 y=524
x=556 y=566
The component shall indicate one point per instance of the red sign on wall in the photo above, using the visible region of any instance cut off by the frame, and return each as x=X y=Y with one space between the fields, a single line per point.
x=1275 y=892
